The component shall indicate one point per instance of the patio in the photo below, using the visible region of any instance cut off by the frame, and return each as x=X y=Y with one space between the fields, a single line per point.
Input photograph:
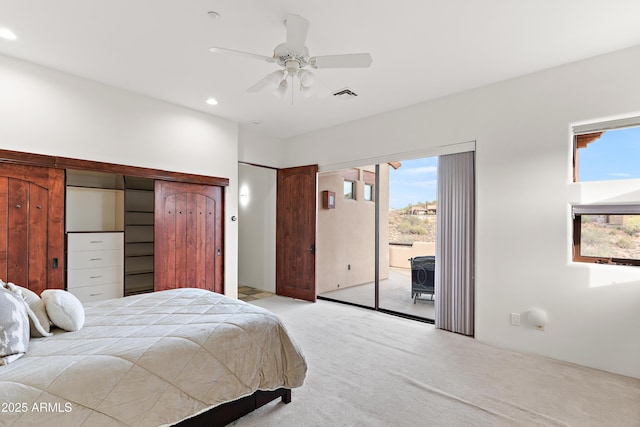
x=395 y=294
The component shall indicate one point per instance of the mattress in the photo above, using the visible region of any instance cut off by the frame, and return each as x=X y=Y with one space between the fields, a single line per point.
x=148 y=360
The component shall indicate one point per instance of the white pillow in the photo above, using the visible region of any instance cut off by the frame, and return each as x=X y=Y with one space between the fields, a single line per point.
x=39 y=322
x=14 y=327
x=64 y=309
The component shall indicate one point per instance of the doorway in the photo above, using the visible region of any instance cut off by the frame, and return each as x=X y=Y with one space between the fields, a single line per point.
x=276 y=239
x=382 y=224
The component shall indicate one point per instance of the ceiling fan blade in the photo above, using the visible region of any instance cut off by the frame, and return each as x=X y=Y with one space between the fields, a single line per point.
x=349 y=60
x=297 y=28
x=259 y=85
x=241 y=53
x=272 y=79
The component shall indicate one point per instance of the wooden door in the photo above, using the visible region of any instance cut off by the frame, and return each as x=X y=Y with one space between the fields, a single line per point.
x=32 y=227
x=296 y=232
x=188 y=236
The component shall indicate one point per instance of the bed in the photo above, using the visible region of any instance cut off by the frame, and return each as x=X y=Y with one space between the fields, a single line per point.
x=176 y=357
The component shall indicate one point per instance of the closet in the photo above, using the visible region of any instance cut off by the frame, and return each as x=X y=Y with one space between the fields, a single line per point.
x=103 y=240
x=95 y=242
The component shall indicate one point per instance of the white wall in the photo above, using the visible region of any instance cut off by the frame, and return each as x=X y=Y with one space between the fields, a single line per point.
x=258 y=149
x=524 y=189
x=47 y=112
x=257 y=224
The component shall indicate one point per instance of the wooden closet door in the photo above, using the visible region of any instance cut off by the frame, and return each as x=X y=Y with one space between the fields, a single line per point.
x=188 y=236
x=32 y=227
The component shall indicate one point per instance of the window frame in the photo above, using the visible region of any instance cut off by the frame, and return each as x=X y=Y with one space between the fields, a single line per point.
x=364 y=192
x=369 y=179
x=350 y=175
x=353 y=190
x=578 y=210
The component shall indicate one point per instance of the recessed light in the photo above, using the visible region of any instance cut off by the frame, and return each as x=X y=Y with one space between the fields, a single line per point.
x=212 y=101
x=256 y=122
x=7 y=34
x=213 y=15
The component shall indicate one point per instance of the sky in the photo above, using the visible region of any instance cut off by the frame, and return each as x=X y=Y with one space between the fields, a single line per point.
x=615 y=155
x=413 y=182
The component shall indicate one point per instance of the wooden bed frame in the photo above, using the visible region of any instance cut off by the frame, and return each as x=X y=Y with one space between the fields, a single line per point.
x=231 y=411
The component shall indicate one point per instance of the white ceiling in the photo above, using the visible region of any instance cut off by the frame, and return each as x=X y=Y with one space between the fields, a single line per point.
x=422 y=49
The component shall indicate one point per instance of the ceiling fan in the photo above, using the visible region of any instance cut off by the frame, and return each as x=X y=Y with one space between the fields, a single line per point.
x=293 y=57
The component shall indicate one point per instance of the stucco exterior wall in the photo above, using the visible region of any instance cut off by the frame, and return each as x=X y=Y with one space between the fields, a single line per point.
x=399 y=255
x=346 y=236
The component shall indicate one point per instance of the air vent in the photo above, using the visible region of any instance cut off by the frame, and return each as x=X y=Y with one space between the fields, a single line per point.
x=345 y=93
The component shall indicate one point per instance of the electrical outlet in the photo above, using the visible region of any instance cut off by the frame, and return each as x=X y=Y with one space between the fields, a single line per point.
x=515 y=319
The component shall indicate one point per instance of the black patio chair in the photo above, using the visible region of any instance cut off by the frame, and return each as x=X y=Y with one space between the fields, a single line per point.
x=422 y=276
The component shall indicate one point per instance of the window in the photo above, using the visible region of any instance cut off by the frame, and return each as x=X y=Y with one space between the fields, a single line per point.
x=350 y=177
x=349 y=192
x=607 y=151
x=368 y=192
x=607 y=234
x=369 y=179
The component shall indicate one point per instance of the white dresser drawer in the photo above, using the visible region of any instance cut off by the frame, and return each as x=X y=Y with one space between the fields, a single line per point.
x=94 y=276
x=95 y=265
x=94 y=241
x=95 y=259
x=98 y=292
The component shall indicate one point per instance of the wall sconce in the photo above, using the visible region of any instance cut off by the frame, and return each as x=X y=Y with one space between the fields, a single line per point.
x=538 y=318
x=244 y=195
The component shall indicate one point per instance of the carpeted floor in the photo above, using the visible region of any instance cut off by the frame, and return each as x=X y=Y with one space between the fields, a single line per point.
x=371 y=369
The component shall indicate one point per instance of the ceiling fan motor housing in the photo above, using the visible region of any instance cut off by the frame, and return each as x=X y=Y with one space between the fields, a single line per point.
x=284 y=55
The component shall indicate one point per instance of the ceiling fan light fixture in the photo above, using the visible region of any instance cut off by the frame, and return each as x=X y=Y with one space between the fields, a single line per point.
x=307 y=91
x=275 y=78
x=281 y=90
x=306 y=78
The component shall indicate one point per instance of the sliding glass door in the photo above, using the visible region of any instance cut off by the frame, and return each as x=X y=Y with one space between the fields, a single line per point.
x=374 y=223
x=345 y=259
x=408 y=217
x=399 y=237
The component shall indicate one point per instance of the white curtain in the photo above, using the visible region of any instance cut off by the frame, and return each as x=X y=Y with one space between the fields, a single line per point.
x=454 y=275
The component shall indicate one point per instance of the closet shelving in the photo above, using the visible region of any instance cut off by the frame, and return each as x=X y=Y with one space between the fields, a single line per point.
x=138 y=234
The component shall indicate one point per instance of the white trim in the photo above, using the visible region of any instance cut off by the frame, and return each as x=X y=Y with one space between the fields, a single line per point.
x=606 y=125
x=442 y=150
x=613 y=209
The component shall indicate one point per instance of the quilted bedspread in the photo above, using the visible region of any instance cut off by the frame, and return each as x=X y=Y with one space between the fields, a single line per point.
x=148 y=360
